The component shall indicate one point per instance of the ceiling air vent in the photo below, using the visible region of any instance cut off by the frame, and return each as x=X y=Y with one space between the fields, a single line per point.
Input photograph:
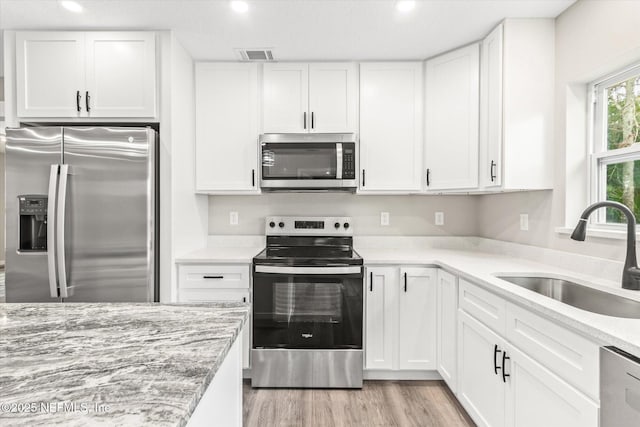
x=255 y=54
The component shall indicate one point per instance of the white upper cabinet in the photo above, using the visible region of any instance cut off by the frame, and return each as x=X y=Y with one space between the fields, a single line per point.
x=85 y=74
x=333 y=97
x=50 y=73
x=226 y=127
x=317 y=97
x=516 y=104
x=286 y=98
x=120 y=74
x=452 y=117
x=391 y=122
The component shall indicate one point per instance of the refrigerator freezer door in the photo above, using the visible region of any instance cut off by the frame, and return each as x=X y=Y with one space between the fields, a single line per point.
x=109 y=223
x=30 y=152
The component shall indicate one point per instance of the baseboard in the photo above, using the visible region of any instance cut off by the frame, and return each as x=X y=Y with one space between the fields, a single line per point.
x=370 y=374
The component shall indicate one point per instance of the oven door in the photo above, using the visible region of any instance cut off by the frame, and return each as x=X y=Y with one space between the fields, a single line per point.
x=307 y=307
x=302 y=165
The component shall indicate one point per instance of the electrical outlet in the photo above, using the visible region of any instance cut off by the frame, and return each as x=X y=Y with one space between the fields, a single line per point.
x=384 y=218
x=524 y=222
x=233 y=218
x=439 y=219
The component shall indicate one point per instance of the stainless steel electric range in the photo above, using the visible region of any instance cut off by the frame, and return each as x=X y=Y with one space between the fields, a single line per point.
x=307 y=305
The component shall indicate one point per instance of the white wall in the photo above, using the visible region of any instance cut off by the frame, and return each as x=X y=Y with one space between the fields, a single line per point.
x=592 y=38
x=409 y=215
x=183 y=214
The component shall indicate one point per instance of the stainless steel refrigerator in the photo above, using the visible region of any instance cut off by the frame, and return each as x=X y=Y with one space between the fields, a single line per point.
x=81 y=214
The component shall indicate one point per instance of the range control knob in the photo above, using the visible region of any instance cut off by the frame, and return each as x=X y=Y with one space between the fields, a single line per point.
x=346 y=225
x=281 y=224
x=272 y=224
x=336 y=225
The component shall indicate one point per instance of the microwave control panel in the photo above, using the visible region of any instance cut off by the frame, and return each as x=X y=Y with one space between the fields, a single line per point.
x=348 y=161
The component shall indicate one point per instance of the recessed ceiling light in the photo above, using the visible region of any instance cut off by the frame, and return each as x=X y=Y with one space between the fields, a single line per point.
x=405 y=5
x=239 y=6
x=72 y=6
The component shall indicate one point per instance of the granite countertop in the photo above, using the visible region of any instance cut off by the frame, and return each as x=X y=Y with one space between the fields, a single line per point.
x=111 y=364
x=481 y=268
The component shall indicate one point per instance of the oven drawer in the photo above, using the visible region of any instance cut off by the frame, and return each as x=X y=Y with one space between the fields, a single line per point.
x=214 y=277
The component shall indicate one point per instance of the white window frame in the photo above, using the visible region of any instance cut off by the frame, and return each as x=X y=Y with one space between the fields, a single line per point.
x=600 y=157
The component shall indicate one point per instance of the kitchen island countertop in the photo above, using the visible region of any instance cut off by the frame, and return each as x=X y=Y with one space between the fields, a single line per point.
x=111 y=364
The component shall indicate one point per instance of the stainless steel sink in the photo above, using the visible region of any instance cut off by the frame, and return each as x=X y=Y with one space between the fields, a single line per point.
x=578 y=296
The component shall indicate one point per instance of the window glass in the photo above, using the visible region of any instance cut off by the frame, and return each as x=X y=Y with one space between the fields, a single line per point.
x=616 y=148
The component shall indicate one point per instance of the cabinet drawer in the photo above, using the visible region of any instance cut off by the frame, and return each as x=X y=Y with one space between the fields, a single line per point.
x=483 y=305
x=567 y=354
x=214 y=277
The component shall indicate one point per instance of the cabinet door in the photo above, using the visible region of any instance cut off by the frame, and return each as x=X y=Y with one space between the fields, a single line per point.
x=417 y=317
x=446 y=312
x=491 y=109
x=286 y=98
x=121 y=74
x=226 y=127
x=391 y=126
x=536 y=397
x=236 y=295
x=480 y=387
x=452 y=116
x=333 y=91
x=50 y=73
x=380 y=317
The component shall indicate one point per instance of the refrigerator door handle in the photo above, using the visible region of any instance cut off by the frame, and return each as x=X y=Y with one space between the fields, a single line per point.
x=51 y=222
x=60 y=219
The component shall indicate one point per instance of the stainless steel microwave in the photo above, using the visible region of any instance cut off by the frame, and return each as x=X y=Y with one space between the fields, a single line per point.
x=308 y=162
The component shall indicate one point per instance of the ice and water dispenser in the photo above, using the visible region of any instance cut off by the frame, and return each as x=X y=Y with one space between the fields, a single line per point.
x=33 y=223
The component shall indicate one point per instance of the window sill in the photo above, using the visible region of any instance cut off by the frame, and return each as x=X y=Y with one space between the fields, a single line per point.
x=600 y=232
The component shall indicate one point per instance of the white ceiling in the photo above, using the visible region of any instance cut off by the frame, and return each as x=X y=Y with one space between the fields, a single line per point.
x=296 y=29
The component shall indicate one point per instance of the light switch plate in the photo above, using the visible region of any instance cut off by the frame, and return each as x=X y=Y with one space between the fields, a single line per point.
x=233 y=218
x=384 y=218
x=524 y=222
x=439 y=218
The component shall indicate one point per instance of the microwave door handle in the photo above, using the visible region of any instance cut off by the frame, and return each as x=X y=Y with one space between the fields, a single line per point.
x=339 y=164
x=60 y=217
x=51 y=223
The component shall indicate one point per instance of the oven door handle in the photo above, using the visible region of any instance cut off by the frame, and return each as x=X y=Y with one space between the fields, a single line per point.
x=308 y=270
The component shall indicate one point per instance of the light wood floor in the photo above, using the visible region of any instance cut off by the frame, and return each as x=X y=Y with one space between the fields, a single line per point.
x=379 y=403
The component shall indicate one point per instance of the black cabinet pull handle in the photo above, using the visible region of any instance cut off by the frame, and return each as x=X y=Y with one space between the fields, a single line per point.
x=363 y=176
x=371 y=282
x=304 y=124
x=493 y=175
x=428 y=174
x=504 y=369
x=496 y=368
x=244 y=299
x=312 y=121
x=213 y=277
x=78 y=96
x=253 y=177
x=87 y=98
x=405 y=281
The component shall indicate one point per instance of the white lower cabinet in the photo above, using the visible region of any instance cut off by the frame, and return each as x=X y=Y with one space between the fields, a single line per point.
x=500 y=385
x=215 y=283
x=447 y=327
x=536 y=397
x=400 y=318
x=480 y=387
